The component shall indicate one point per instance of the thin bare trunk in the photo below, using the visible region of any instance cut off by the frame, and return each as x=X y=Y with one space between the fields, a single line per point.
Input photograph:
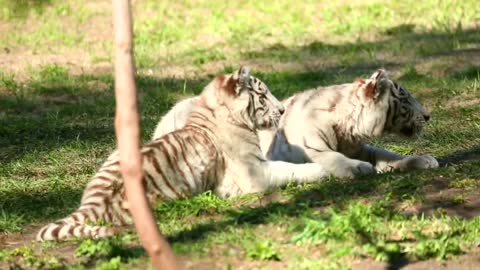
x=128 y=137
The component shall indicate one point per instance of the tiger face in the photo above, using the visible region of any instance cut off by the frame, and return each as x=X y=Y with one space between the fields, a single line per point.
x=255 y=105
x=405 y=115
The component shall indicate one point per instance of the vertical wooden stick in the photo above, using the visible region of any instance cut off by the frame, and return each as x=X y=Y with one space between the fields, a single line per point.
x=128 y=137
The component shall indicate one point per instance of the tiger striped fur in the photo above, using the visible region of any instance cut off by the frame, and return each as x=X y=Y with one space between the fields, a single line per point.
x=332 y=126
x=339 y=120
x=217 y=149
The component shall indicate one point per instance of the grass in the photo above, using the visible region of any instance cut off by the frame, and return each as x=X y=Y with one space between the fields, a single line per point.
x=377 y=230
x=56 y=128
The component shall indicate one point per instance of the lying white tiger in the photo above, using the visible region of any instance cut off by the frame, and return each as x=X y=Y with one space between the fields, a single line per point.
x=216 y=149
x=331 y=126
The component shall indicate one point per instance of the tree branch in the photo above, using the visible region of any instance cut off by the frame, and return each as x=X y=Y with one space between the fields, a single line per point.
x=128 y=137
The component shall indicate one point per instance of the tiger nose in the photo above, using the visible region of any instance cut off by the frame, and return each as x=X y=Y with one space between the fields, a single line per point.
x=427 y=116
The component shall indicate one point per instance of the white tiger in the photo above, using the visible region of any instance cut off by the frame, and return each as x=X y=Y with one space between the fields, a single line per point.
x=217 y=149
x=332 y=126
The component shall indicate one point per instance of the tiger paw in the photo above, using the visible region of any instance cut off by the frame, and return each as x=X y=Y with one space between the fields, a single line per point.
x=421 y=162
x=352 y=169
x=363 y=168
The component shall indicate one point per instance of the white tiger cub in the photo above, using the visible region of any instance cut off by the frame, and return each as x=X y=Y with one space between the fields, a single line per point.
x=338 y=120
x=331 y=126
x=216 y=149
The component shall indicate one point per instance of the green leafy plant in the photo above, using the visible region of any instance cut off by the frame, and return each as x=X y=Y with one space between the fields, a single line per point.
x=202 y=204
x=374 y=230
x=91 y=248
x=112 y=264
x=262 y=251
x=10 y=222
x=25 y=257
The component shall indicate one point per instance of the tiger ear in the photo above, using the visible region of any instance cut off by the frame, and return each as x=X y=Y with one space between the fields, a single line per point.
x=244 y=76
x=376 y=85
x=238 y=81
x=379 y=74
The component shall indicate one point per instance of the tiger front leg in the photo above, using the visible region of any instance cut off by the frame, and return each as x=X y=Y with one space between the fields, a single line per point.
x=280 y=173
x=339 y=165
x=421 y=162
x=386 y=161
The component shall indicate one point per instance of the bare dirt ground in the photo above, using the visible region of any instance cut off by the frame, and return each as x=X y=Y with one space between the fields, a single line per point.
x=466 y=262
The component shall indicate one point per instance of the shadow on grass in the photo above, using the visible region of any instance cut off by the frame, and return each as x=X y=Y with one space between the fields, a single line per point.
x=471 y=73
x=43 y=116
x=20 y=9
x=395 y=259
x=125 y=254
x=402 y=47
x=460 y=156
x=40 y=205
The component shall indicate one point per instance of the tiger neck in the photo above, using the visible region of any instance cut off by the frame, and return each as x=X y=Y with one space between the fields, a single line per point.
x=239 y=141
x=234 y=139
x=360 y=121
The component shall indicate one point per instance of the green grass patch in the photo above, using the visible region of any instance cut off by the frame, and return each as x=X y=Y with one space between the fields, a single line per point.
x=25 y=256
x=375 y=230
x=263 y=250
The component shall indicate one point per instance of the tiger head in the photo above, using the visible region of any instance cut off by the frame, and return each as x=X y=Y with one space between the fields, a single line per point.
x=405 y=115
x=249 y=100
